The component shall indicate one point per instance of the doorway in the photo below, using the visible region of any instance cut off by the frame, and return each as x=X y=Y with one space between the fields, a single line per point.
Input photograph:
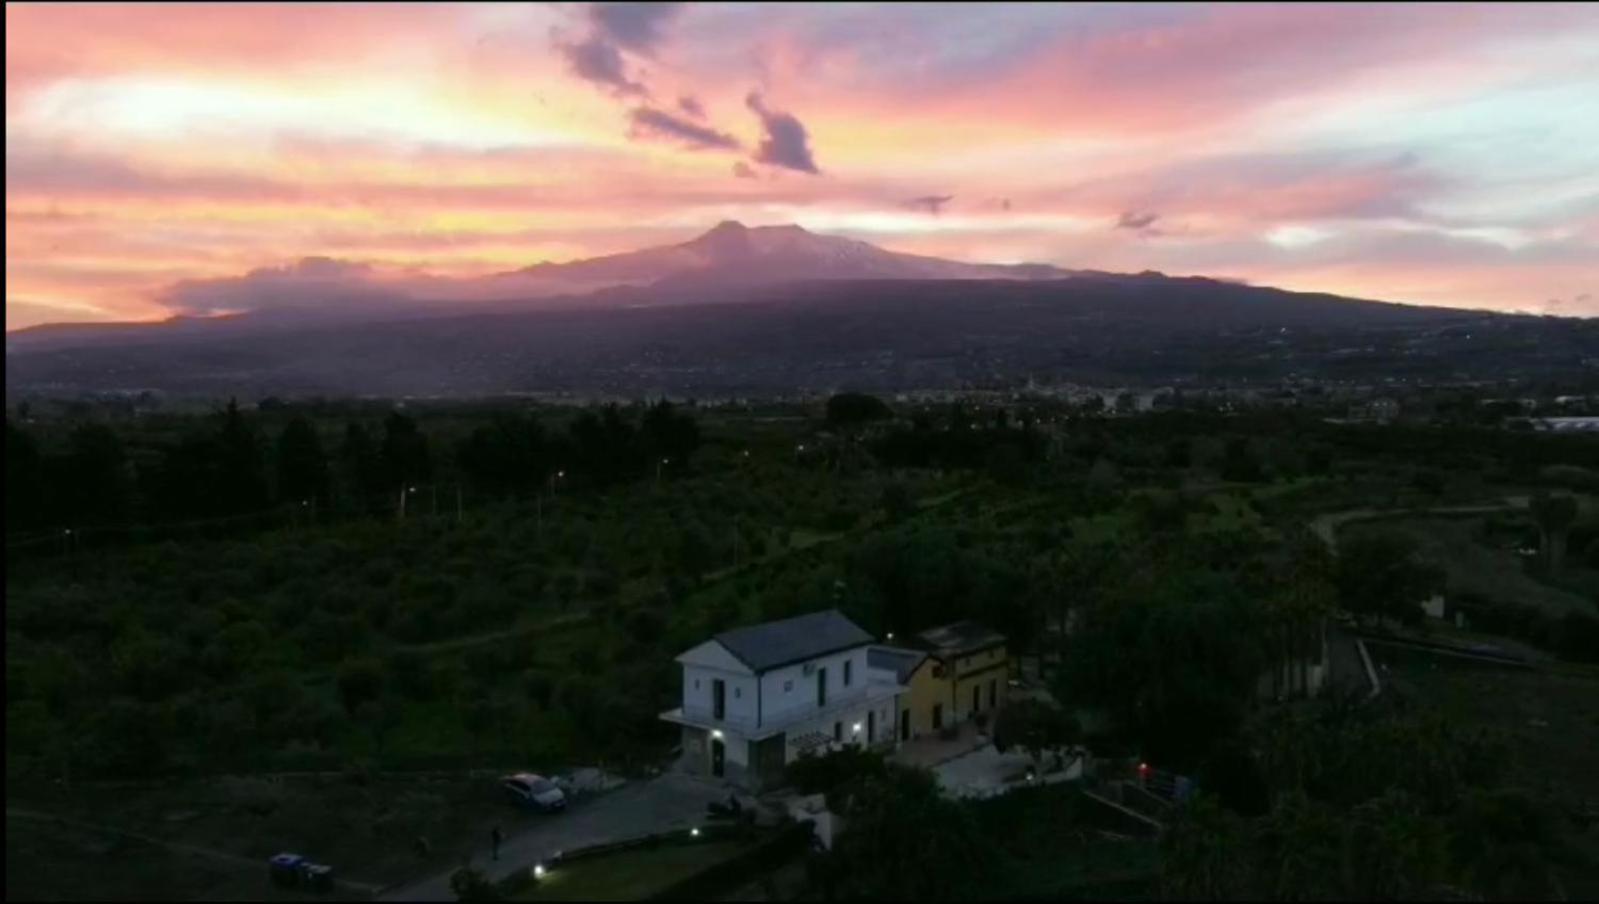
x=718 y=757
x=904 y=725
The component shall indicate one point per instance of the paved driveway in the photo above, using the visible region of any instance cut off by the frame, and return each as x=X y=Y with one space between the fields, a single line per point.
x=665 y=802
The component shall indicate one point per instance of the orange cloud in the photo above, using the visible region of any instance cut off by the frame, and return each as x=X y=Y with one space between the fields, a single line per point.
x=1418 y=153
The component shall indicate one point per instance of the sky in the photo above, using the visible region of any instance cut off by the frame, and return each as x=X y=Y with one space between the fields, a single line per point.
x=1440 y=154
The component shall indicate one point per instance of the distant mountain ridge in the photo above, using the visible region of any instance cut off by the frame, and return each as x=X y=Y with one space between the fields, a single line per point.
x=772 y=310
x=772 y=253
x=728 y=256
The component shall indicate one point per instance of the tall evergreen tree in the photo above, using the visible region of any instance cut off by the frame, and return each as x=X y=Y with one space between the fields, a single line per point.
x=302 y=466
x=241 y=466
x=360 y=466
x=92 y=479
x=25 y=493
x=405 y=458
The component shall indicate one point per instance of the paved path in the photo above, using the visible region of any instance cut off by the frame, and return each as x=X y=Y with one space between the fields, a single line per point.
x=668 y=801
x=1326 y=526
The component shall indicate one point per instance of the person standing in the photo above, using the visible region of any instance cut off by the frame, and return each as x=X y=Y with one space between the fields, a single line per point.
x=495 y=837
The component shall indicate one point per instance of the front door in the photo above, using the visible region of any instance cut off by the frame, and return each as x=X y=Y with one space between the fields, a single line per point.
x=977 y=698
x=938 y=716
x=718 y=757
x=904 y=725
x=871 y=727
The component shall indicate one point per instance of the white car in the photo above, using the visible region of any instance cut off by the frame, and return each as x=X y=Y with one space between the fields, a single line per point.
x=534 y=791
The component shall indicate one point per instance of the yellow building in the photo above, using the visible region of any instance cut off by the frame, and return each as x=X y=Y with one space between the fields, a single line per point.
x=961 y=670
x=923 y=695
x=971 y=664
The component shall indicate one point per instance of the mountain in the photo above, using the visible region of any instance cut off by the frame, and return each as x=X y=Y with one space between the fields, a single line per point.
x=729 y=257
x=770 y=309
x=823 y=335
x=734 y=252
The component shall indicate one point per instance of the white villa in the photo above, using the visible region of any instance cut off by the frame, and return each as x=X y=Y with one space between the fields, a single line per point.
x=756 y=698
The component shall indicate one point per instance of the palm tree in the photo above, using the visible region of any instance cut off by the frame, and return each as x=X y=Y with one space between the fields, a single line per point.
x=1554 y=515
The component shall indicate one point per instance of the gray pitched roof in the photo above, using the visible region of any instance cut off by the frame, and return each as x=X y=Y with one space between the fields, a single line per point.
x=763 y=647
x=900 y=661
x=960 y=637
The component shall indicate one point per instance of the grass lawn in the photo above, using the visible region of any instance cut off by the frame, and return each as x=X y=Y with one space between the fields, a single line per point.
x=630 y=875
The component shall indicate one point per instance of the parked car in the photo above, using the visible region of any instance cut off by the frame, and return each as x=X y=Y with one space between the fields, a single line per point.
x=525 y=789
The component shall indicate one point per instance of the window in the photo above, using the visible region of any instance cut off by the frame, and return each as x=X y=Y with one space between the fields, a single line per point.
x=738 y=692
x=993 y=692
x=821 y=687
x=848 y=670
x=788 y=685
x=977 y=698
x=718 y=699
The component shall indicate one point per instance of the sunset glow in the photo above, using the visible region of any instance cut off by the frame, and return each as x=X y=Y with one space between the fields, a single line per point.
x=1427 y=153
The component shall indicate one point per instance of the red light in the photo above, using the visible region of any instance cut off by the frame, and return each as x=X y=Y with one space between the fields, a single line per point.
x=1143 y=767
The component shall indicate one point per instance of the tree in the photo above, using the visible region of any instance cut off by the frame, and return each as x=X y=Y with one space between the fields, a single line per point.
x=360 y=681
x=360 y=465
x=852 y=409
x=1504 y=839
x=91 y=480
x=606 y=447
x=897 y=502
x=1174 y=657
x=25 y=488
x=302 y=467
x=1380 y=575
x=1037 y=728
x=471 y=885
x=695 y=551
x=241 y=470
x=1239 y=462
x=1299 y=595
x=509 y=455
x=1554 y=515
x=906 y=841
x=670 y=434
x=1203 y=854
x=405 y=458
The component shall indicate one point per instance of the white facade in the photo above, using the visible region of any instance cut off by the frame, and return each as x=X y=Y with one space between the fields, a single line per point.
x=744 y=725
